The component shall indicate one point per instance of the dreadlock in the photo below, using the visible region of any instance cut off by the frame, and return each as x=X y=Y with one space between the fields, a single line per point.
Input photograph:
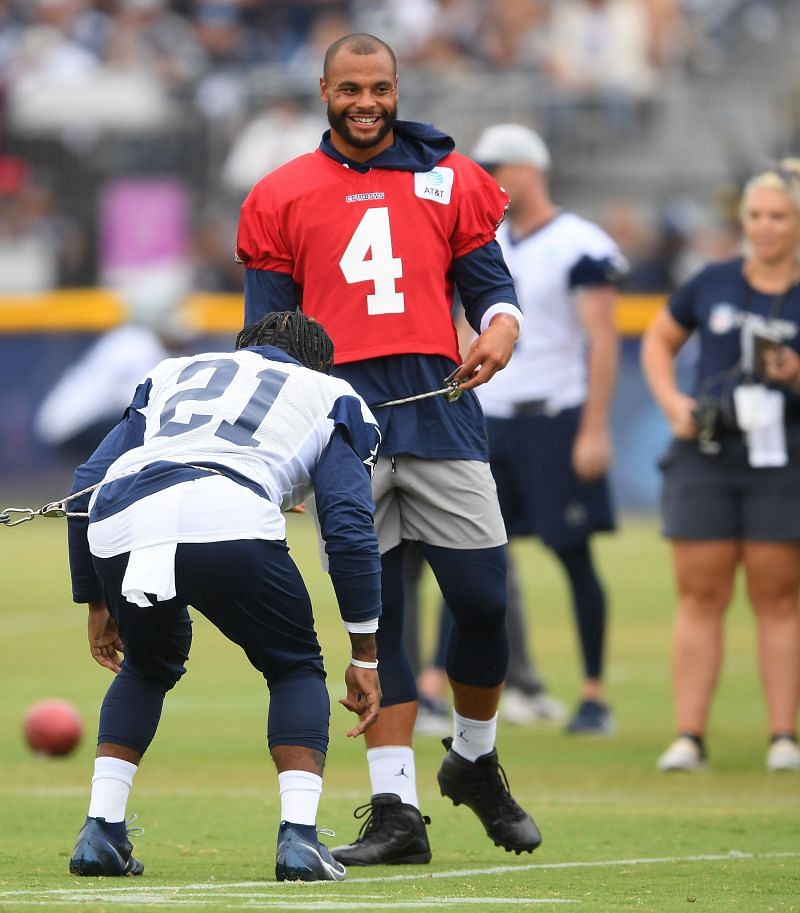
x=299 y=336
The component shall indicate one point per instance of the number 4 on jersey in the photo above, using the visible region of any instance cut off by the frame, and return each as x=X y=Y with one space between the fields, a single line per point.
x=368 y=258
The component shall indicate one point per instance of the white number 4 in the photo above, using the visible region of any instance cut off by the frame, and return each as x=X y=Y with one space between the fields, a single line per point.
x=368 y=258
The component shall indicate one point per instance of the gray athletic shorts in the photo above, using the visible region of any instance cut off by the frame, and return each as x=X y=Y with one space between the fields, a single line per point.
x=449 y=503
x=720 y=497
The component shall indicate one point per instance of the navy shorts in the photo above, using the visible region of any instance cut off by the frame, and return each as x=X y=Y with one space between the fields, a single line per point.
x=250 y=589
x=540 y=494
x=721 y=497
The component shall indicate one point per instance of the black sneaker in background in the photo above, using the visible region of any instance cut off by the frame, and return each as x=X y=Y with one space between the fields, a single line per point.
x=482 y=786
x=392 y=834
x=98 y=853
x=591 y=718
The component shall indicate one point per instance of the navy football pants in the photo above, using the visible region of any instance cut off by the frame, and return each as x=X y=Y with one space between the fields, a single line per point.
x=473 y=581
x=252 y=591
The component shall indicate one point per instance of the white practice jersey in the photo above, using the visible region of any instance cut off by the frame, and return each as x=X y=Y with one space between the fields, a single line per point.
x=260 y=424
x=549 y=268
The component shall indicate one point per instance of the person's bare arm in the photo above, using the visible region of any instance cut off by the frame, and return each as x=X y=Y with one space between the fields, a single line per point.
x=592 y=450
x=105 y=644
x=490 y=352
x=660 y=345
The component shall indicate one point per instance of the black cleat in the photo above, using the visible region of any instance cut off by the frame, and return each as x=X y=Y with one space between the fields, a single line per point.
x=301 y=857
x=97 y=853
x=482 y=785
x=393 y=834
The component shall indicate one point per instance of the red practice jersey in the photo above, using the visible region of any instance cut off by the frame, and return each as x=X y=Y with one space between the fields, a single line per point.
x=372 y=252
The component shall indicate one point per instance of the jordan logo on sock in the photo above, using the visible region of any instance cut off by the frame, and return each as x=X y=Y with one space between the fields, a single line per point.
x=402 y=772
x=461 y=735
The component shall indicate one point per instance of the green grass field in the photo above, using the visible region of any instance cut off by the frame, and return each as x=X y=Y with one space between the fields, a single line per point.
x=617 y=834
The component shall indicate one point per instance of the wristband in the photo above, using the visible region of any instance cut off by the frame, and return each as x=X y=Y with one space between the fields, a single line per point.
x=363 y=663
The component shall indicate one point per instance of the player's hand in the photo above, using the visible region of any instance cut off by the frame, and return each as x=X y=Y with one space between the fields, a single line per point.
x=591 y=453
x=782 y=365
x=363 y=697
x=297 y=509
x=105 y=643
x=489 y=353
x=680 y=415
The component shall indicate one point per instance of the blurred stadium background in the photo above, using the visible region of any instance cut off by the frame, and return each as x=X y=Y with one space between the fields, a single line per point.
x=130 y=131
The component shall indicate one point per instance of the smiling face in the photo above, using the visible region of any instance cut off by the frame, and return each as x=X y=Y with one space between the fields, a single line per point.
x=771 y=224
x=360 y=91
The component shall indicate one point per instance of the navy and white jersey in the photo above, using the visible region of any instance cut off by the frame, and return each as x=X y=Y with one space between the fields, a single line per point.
x=213 y=448
x=719 y=304
x=549 y=267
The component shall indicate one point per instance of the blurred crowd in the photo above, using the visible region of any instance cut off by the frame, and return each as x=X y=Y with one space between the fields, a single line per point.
x=196 y=49
x=201 y=98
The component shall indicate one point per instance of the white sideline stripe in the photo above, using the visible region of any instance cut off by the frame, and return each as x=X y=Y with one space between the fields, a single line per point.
x=130 y=893
x=530 y=866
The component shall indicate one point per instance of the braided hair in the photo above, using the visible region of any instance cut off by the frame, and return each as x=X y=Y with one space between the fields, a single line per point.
x=299 y=336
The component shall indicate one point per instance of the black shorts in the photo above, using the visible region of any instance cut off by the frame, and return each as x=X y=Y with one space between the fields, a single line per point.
x=721 y=497
x=540 y=495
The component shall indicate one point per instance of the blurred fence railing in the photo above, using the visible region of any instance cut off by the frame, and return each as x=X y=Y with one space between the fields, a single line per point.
x=96 y=310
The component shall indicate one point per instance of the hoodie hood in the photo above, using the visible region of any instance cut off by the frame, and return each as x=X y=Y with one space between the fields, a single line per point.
x=416 y=147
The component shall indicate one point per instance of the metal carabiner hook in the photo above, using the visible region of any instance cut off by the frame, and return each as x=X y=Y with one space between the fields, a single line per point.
x=25 y=513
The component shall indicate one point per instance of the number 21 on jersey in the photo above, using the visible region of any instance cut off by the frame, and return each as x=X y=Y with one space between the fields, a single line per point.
x=368 y=258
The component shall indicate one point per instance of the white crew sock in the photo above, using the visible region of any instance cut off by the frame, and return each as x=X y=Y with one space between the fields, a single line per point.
x=300 y=794
x=391 y=770
x=111 y=785
x=473 y=738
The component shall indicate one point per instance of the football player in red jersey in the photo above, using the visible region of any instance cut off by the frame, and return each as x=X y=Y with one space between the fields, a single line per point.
x=370 y=234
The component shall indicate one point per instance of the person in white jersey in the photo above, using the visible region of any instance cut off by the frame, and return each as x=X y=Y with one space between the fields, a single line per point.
x=182 y=504
x=548 y=411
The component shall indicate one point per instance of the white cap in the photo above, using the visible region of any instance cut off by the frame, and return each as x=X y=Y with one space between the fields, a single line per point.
x=511 y=144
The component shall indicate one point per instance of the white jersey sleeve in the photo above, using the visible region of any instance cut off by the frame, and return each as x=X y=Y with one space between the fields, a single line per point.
x=550 y=267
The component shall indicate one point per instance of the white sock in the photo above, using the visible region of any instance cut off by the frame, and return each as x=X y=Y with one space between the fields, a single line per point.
x=473 y=738
x=391 y=770
x=111 y=785
x=300 y=794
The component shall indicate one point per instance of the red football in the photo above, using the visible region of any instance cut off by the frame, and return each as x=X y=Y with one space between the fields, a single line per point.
x=52 y=727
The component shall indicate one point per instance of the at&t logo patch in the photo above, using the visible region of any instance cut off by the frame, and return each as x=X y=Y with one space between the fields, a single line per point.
x=436 y=184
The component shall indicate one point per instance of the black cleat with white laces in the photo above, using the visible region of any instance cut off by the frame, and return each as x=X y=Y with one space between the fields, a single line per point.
x=301 y=857
x=482 y=786
x=393 y=834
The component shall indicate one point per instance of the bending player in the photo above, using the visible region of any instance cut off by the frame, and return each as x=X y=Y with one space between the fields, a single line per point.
x=187 y=510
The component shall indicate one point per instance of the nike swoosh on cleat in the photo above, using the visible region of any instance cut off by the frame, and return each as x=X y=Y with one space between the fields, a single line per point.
x=332 y=869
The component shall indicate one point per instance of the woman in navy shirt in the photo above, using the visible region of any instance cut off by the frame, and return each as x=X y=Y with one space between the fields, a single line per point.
x=731 y=491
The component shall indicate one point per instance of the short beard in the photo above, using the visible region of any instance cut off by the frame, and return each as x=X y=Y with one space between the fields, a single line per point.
x=340 y=125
